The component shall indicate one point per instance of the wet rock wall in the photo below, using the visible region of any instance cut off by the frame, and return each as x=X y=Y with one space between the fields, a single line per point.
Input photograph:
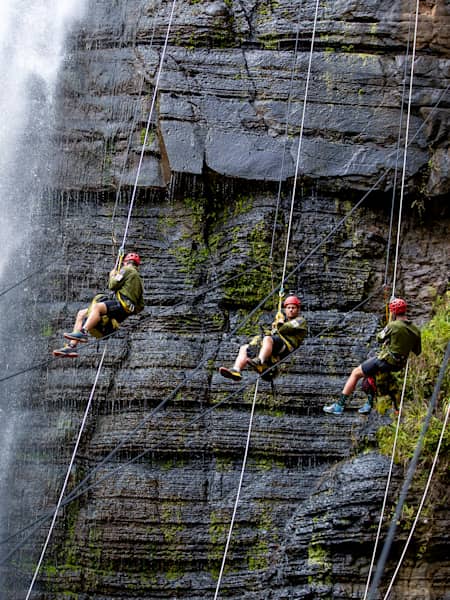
x=224 y=135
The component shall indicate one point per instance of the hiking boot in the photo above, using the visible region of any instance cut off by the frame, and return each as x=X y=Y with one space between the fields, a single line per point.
x=78 y=336
x=230 y=374
x=67 y=351
x=365 y=410
x=334 y=409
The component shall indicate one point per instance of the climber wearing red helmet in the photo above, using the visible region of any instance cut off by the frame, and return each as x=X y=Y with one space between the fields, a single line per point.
x=398 y=339
x=262 y=352
x=105 y=312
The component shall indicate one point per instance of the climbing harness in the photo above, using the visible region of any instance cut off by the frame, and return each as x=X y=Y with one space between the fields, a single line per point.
x=107 y=325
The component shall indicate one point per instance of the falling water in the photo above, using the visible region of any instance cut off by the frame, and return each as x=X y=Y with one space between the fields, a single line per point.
x=32 y=43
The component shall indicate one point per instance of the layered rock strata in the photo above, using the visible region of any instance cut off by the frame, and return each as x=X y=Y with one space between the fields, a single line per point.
x=214 y=190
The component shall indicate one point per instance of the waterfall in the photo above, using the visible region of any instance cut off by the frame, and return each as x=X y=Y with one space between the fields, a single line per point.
x=32 y=46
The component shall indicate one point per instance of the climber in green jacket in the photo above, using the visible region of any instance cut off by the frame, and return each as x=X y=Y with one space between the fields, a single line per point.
x=105 y=313
x=262 y=352
x=398 y=339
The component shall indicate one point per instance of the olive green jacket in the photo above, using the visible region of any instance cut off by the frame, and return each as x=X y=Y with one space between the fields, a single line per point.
x=399 y=338
x=128 y=283
x=293 y=332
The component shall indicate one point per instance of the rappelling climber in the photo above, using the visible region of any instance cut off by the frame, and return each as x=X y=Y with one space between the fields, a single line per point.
x=106 y=312
x=398 y=339
x=264 y=351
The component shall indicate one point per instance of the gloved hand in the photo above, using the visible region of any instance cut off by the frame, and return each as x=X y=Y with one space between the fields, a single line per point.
x=279 y=320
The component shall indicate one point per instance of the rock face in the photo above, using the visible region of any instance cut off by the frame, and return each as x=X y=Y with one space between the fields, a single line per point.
x=220 y=165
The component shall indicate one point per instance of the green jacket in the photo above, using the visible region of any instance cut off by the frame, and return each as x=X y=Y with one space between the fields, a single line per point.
x=399 y=338
x=293 y=332
x=127 y=284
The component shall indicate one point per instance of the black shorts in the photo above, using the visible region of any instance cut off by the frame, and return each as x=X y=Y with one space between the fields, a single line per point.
x=115 y=310
x=372 y=366
x=279 y=348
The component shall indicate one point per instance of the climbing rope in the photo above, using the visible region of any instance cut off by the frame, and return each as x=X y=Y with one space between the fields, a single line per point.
x=69 y=469
x=233 y=516
x=281 y=288
x=422 y=501
x=410 y=473
x=392 y=294
x=396 y=255
x=405 y=152
x=117 y=266
x=127 y=152
x=388 y=482
x=294 y=188
x=397 y=158
x=286 y=133
x=147 y=128
x=130 y=137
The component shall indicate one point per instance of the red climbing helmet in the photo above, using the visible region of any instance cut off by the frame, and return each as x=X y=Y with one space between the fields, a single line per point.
x=397 y=306
x=133 y=257
x=292 y=300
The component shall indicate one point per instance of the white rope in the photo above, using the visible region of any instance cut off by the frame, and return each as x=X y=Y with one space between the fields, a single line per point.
x=393 y=289
x=286 y=134
x=394 y=282
x=216 y=595
x=147 y=129
x=405 y=153
x=433 y=466
x=397 y=156
x=299 y=146
x=125 y=159
x=52 y=525
x=282 y=283
x=388 y=482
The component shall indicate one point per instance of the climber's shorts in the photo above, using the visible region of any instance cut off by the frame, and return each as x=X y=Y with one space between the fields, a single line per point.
x=279 y=349
x=372 y=366
x=115 y=310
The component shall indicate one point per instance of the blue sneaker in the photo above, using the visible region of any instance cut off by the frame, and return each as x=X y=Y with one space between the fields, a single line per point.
x=334 y=409
x=365 y=410
x=78 y=336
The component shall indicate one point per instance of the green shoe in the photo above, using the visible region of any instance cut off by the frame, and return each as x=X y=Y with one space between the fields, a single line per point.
x=77 y=336
x=67 y=351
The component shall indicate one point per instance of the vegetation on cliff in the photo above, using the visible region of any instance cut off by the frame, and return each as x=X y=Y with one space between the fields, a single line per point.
x=422 y=375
